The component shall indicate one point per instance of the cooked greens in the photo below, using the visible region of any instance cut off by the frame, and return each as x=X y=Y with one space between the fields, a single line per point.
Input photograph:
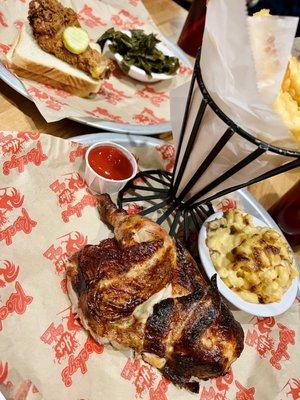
x=139 y=50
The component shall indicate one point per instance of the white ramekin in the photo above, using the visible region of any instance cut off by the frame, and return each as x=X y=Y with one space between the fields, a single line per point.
x=98 y=183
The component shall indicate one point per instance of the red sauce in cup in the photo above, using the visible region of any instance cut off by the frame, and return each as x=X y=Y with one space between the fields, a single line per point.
x=110 y=162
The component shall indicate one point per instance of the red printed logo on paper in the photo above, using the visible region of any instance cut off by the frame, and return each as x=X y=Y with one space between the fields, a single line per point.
x=244 y=393
x=58 y=92
x=87 y=17
x=226 y=204
x=37 y=94
x=53 y=104
x=72 y=195
x=13 y=220
x=133 y=2
x=140 y=374
x=34 y=389
x=286 y=338
x=3 y=371
x=167 y=152
x=147 y=117
x=3 y=21
x=49 y=101
x=18 y=24
x=62 y=336
x=4 y=375
x=153 y=95
x=21 y=389
x=78 y=151
x=10 y=198
x=184 y=69
x=292 y=388
x=60 y=251
x=8 y=273
x=21 y=392
x=4 y=48
x=66 y=349
x=103 y=112
x=62 y=341
x=18 y=300
x=111 y=94
x=218 y=389
x=78 y=362
x=13 y=145
x=160 y=392
x=271 y=340
x=125 y=20
x=72 y=322
x=226 y=388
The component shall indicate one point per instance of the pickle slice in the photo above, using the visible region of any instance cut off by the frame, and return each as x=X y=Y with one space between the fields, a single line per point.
x=75 y=39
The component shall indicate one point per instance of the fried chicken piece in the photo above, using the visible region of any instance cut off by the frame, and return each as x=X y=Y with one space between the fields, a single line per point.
x=48 y=19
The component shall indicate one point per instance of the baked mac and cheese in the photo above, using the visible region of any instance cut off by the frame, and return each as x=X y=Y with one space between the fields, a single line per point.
x=255 y=262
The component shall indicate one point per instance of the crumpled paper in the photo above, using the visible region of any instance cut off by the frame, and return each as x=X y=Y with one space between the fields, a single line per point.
x=244 y=93
x=46 y=213
x=121 y=99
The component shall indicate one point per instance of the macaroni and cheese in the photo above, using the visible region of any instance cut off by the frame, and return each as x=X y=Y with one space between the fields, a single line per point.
x=255 y=262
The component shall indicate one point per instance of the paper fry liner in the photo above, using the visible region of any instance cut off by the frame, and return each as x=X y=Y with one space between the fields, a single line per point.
x=243 y=81
x=121 y=99
x=46 y=214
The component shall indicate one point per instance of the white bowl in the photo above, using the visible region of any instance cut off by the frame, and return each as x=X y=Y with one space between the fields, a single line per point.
x=260 y=310
x=135 y=72
x=98 y=183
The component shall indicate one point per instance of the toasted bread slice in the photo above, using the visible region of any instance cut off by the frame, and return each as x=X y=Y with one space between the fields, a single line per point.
x=26 y=59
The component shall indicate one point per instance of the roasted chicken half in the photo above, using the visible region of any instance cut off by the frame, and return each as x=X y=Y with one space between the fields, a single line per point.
x=142 y=290
x=48 y=19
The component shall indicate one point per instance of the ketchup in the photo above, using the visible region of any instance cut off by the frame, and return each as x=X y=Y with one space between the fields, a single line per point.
x=110 y=162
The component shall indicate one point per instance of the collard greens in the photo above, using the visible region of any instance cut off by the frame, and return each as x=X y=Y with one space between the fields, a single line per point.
x=139 y=50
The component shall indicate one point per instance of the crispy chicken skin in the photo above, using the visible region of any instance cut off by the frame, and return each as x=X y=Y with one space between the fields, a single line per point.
x=48 y=19
x=186 y=335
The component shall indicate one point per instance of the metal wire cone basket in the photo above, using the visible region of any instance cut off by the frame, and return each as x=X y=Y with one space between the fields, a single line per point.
x=159 y=192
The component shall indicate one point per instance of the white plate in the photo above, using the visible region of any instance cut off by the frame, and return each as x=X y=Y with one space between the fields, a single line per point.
x=125 y=140
x=11 y=80
x=260 y=310
x=135 y=72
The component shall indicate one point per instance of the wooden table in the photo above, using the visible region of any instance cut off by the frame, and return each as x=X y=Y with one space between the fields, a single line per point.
x=18 y=113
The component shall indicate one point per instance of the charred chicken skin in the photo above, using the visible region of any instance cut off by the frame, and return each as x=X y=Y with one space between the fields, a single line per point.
x=48 y=19
x=119 y=289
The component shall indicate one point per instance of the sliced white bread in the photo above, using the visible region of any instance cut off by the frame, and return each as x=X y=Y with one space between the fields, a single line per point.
x=28 y=60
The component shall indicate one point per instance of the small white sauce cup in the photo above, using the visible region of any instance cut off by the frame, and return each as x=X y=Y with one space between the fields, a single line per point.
x=99 y=183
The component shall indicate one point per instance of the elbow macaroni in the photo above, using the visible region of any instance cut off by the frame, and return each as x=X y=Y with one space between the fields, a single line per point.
x=255 y=262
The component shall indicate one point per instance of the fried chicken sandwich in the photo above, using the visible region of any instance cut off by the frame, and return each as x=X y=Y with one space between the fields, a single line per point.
x=53 y=49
